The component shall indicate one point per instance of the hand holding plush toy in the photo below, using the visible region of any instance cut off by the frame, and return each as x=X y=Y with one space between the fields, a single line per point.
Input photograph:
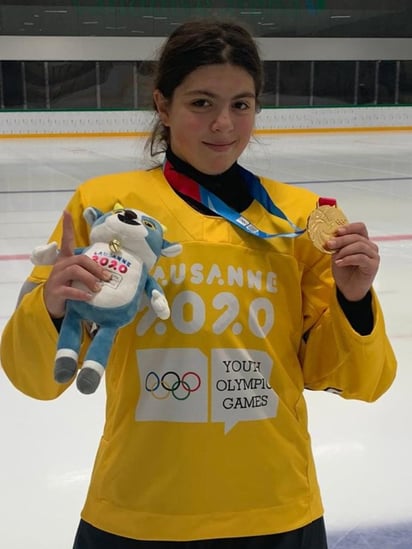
x=127 y=243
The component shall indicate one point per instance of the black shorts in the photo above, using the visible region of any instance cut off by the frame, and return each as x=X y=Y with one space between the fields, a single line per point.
x=312 y=536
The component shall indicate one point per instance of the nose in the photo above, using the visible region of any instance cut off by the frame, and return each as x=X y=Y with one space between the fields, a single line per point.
x=129 y=217
x=222 y=120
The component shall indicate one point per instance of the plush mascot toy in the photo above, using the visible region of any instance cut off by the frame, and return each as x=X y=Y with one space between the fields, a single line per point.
x=127 y=243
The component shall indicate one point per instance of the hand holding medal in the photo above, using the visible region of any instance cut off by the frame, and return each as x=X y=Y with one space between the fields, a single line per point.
x=323 y=223
x=355 y=257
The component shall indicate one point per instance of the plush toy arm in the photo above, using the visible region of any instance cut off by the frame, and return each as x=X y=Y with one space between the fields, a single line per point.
x=157 y=298
x=45 y=254
x=160 y=305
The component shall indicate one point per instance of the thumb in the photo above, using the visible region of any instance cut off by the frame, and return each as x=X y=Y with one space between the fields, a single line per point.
x=67 y=243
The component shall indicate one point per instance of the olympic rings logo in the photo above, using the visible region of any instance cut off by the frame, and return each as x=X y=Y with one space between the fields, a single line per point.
x=172 y=384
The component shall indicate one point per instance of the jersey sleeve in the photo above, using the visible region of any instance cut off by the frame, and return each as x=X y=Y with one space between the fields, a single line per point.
x=29 y=339
x=335 y=357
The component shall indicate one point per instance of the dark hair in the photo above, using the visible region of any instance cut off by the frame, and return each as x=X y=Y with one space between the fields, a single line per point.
x=197 y=43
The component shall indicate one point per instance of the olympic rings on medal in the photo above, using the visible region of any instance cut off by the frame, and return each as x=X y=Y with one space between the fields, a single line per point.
x=170 y=382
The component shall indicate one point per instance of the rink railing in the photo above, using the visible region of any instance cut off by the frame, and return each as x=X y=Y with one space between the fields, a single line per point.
x=113 y=123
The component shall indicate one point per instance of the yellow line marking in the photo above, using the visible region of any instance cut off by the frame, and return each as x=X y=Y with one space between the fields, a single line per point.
x=258 y=131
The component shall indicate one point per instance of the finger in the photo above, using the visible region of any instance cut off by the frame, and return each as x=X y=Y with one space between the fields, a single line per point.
x=360 y=262
x=353 y=228
x=342 y=241
x=81 y=270
x=92 y=267
x=76 y=273
x=355 y=260
x=77 y=294
x=67 y=243
x=55 y=298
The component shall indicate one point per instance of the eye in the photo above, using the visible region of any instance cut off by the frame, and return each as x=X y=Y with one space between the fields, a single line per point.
x=241 y=105
x=149 y=224
x=200 y=103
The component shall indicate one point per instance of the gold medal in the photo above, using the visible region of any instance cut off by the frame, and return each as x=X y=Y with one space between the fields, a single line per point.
x=324 y=222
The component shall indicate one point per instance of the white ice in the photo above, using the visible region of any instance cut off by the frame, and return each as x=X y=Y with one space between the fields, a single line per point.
x=363 y=451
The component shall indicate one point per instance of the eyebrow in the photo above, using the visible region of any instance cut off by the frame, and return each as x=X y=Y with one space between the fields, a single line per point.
x=214 y=96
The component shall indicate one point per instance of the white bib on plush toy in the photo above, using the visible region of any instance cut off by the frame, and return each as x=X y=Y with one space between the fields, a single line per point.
x=126 y=271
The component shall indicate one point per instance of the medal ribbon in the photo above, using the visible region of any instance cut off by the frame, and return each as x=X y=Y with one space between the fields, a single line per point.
x=190 y=188
x=325 y=201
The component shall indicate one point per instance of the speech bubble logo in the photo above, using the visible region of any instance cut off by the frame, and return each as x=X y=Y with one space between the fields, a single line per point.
x=240 y=386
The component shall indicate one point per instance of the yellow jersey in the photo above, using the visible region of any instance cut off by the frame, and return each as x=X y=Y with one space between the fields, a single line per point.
x=206 y=431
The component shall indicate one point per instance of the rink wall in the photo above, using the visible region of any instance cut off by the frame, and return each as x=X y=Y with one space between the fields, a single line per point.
x=137 y=123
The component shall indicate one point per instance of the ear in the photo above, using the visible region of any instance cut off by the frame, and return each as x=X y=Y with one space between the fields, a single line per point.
x=161 y=106
x=91 y=214
x=170 y=250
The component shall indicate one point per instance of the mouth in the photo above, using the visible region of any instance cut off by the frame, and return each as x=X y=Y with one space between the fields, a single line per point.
x=221 y=147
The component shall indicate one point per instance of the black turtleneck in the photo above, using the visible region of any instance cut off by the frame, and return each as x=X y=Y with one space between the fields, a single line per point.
x=229 y=186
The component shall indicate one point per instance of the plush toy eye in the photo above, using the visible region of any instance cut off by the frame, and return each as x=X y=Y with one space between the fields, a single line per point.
x=148 y=224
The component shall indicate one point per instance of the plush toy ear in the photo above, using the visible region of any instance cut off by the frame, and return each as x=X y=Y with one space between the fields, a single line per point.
x=118 y=206
x=170 y=250
x=91 y=214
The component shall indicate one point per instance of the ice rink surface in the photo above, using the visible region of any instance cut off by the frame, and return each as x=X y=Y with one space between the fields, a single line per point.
x=363 y=451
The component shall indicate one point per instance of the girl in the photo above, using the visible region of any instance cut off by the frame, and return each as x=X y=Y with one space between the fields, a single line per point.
x=206 y=442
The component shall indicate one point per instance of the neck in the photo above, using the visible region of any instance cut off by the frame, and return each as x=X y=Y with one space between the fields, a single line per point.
x=201 y=177
x=229 y=186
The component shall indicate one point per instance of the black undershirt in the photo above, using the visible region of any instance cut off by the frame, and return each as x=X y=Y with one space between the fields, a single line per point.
x=229 y=186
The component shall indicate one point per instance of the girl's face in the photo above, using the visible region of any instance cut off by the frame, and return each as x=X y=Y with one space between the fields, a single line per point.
x=210 y=116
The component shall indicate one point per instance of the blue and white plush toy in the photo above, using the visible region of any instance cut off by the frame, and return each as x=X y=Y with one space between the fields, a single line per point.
x=127 y=243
